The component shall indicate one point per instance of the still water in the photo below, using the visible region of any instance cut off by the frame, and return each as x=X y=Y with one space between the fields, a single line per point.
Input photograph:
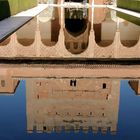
x=59 y=111
x=78 y=99
x=38 y=102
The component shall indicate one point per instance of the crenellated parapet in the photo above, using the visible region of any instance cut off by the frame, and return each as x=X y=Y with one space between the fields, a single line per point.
x=67 y=129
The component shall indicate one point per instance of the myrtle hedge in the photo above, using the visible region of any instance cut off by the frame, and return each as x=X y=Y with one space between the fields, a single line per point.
x=129 y=4
x=11 y=7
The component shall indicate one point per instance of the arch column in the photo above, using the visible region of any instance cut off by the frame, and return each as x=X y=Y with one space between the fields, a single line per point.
x=116 y=43
x=91 y=2
x=61 y=39
x=38 y=40
x=14 y=44
x=92 y=35
x=61 y=2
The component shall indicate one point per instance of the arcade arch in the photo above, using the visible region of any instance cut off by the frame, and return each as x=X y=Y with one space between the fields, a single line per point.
x=77 y=28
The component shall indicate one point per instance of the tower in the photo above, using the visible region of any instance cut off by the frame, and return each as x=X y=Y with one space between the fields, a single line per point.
x=87 y=103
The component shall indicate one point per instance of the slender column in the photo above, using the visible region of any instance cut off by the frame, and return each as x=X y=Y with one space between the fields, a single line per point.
x=14 y=44
x=62 y=17
x=38 y=39
x=61 y=34
x=61 y=2
x=92 y=18
x=117 y=40
x=118 y=24
x=138 y=46
x=91 y=36
x=91 y=2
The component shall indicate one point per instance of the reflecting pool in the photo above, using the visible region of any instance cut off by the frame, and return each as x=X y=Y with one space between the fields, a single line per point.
x=71 y=73
x=53 y=102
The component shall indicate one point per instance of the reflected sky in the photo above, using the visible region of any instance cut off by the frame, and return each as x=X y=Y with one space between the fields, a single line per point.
x=14 y=116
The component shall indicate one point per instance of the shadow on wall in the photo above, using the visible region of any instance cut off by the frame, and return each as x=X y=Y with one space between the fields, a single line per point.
x=4 y=9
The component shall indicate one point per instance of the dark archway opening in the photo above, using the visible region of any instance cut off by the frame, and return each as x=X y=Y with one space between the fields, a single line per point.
x=77 y=29
x=76 y=21
x=75 y=26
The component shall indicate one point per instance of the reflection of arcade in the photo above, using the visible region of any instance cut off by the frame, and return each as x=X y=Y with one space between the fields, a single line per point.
x=77 y=29
x=104 y=35
x=72 y=104
x=100 y=2
x=51 y=35
x=49 y=26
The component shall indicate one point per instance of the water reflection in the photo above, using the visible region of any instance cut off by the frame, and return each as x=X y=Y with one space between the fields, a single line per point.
x=129 y=32
x=77 y=29
x=68 y=103
x=79 y=33
x=5 y=42
x=104 y=35
x=49 y=26
x=26 y=35
x=135 y=85
x=64 y=98
x=81 y=104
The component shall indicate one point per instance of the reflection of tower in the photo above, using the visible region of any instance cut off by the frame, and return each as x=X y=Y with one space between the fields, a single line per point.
x=7 y=84
x=53 y=104
x=135 y=85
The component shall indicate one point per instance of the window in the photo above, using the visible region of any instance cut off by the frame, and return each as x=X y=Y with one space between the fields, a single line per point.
x=44 y=128
x=73 y=83
x=37 y=96
x=107 y=97
x=90 y=113
x=104 y=85
x=2 y=83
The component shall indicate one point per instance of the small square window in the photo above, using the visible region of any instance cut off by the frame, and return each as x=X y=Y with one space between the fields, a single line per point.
x=44 y=128
x=104 y=85
x=73 y=83
x=2 y=83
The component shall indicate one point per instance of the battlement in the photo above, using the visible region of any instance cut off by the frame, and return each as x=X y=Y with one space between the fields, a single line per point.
x=85 y=129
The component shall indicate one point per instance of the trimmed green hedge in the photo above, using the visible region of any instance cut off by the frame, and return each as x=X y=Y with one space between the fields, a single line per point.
x=11 y=7
x=129 y=4
x=130 y=18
